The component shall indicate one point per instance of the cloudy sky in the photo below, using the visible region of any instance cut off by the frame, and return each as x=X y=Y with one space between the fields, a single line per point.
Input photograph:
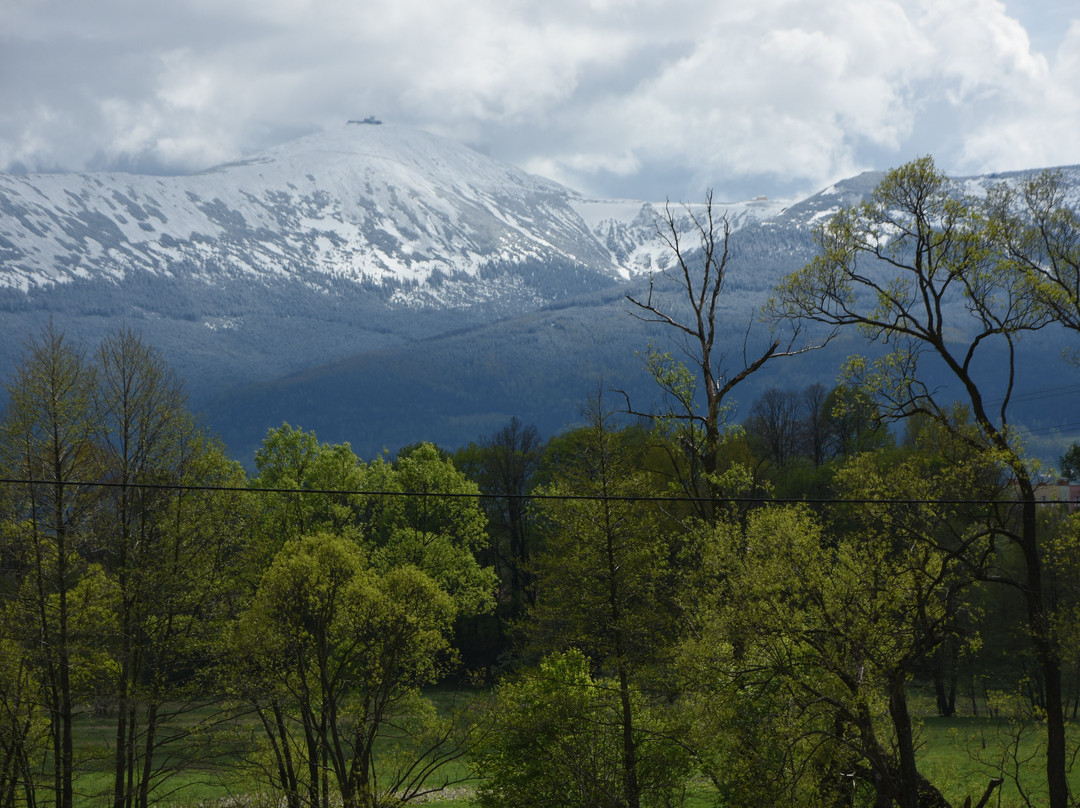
x=636 y=98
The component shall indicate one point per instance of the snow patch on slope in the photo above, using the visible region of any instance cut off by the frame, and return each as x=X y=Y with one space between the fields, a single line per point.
x=361 y=204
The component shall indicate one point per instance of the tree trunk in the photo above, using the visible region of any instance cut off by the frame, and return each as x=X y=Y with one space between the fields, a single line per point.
x=631 y=787
x=120 y=756
x=908 y=796
x=1047 y=656
x=148 y=755
x=288 y=770
x=630 y=779
x=65 y=798
x=945 y=679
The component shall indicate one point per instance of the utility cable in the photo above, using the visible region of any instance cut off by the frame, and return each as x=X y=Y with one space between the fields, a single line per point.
x=749 y=500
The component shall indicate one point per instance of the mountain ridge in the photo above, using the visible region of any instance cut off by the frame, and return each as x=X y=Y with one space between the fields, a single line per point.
x=393 y=204
x=366 y=250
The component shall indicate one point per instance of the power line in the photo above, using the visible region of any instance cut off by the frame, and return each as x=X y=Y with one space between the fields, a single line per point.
x=187 y=487
x=1049 y=429
x=1039 y=394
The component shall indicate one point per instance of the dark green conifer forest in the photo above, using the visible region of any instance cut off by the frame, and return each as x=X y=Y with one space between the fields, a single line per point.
x=865 y=592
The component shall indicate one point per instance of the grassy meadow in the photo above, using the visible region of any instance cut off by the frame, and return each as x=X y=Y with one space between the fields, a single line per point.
x=216 y=769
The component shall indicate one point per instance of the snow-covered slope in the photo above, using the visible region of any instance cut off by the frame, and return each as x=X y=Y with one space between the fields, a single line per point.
x=367 y=204
x=633 y=232
x=362 y=203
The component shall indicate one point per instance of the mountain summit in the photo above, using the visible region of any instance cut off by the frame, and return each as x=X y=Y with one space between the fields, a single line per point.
x=367 y=204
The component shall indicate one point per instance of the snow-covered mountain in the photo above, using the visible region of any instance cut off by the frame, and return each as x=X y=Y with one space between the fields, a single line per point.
x=368 y=204
x=420 y=276
x=364 y=203
x=349 y=240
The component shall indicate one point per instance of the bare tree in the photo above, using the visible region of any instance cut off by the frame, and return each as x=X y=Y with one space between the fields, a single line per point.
x=700 y=270
x=773 y=427
x=814 y=426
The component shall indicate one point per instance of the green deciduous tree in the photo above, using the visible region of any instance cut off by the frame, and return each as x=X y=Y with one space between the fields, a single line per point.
x=370 y=566
x=306 y=472
x=347 y=646
x=168 y=552
x=603 y=581
x=23 y=728
x=439 y=527
x=557 y=743
x=1041 y=233
x=919 y=268
x=119 y=572
x=803 y=643
x=47 y=440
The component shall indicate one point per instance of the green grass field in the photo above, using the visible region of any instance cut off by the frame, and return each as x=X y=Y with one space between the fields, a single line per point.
x=959 y=755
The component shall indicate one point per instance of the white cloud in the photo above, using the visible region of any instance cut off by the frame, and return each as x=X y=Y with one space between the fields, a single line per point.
x=1038 y=123
x=980 y=50
x=779 y=93
x=680 y=94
